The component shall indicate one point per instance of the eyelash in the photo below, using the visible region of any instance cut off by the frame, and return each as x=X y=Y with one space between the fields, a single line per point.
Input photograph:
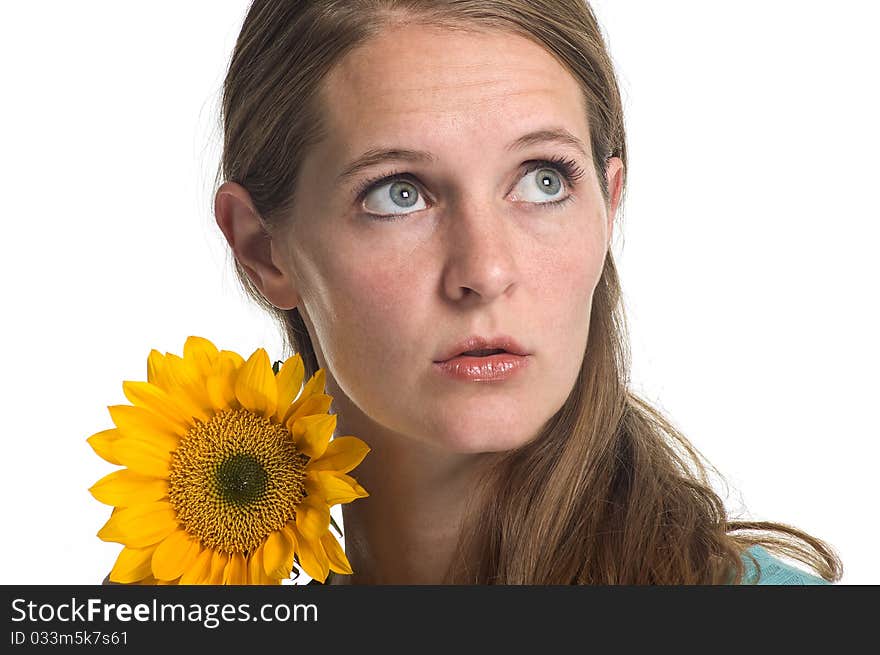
x=568 y=168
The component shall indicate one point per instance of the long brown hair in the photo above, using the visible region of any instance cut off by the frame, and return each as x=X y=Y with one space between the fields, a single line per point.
x=610 y=492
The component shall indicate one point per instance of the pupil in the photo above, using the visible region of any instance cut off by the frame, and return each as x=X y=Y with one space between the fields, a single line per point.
x=549 y=181
x=241 y=479
x=403 y=194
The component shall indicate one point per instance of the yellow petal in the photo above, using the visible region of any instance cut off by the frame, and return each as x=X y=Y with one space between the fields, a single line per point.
x=143 y=457
x=290 y=532
x=288 y=381
x=189 y=390
x=156 y=370
x=278 y=550
x=316 y=404
x=200 y=569
x=315 y=385
x=124 y=488
x=334 y=488
x=139 y=423
x=342 y=454
x=312 y=557
x=102 y=444
x=311 y=434
x=256 y=574
x=354 y=484
x=225 y=362
x=132 y=565
x=110 y=530
x=140 y=525
x=236 y=570
x=350 y=481
x=232 y=356
x=219 y=560
x=218 y=392
x=220 y=383
x=255 y=385
x=313 y=485
x=159 y=402
x=335 y=555
x=174 y=555
x=201 y=352
x=312 y=517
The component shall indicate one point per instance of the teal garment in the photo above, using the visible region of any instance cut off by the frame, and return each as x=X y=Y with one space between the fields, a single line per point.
x=775 y=572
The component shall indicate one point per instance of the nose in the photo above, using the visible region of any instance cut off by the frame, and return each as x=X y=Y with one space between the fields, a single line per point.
x=480 y=262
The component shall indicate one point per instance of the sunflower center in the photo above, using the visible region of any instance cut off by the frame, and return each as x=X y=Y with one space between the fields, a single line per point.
x=235 y=479
x=241 y=479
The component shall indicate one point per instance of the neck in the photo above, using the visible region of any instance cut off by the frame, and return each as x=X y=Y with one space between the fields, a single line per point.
x=406 y=531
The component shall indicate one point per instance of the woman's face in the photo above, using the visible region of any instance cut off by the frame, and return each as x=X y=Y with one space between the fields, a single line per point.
x=475 y=246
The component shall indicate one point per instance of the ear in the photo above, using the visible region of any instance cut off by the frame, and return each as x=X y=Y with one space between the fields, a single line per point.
x=614 y=175
x=252 y=245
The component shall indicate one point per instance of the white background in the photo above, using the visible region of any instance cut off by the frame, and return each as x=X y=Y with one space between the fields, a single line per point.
x=747 y=248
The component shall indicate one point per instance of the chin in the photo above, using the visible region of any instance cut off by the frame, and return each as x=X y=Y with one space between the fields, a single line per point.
x=477 y=425
x=478 y=438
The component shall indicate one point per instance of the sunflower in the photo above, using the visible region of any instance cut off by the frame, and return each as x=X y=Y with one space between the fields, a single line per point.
x=227 y=478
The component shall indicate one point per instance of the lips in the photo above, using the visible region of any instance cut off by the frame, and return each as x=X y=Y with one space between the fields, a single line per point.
x=487 y=369
x=477 y=345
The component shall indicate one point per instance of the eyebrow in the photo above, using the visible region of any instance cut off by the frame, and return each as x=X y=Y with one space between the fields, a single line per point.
x=376 y=156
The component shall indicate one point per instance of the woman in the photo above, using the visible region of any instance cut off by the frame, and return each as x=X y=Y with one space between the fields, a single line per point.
x=409 y=187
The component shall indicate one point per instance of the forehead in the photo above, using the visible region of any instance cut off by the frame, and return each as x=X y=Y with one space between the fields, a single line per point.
x=435 y=88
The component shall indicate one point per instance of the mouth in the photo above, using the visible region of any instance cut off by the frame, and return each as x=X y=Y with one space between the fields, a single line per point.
x=482 y=353
x=482 y=347
x=484 y=365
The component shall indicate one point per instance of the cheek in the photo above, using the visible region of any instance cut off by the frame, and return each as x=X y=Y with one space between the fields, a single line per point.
x=372 y=340
x=569 y=277
x=367 y=316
